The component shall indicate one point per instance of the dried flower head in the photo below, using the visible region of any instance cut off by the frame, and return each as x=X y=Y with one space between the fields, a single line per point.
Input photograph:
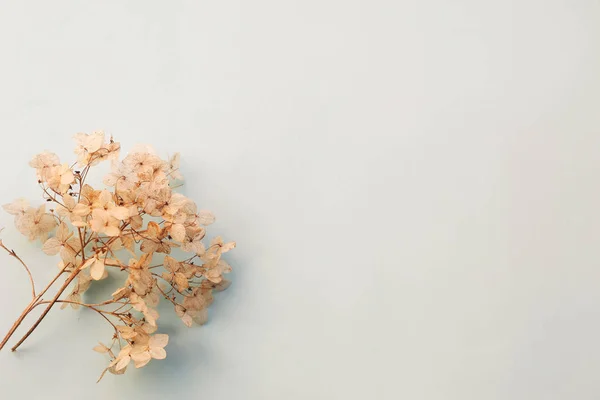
x=138 y=215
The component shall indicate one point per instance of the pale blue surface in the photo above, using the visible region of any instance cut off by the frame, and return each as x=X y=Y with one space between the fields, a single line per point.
x=413 y=186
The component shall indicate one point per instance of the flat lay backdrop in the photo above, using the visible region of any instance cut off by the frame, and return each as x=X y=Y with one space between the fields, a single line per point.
x=413 y=187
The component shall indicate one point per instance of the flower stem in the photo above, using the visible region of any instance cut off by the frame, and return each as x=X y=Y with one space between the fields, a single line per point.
x=27 y=310
x=41 y=317
x=12 y=253
x=17 y=323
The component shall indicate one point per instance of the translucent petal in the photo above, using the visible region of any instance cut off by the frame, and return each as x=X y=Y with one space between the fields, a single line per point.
x=112 y=231
x=158 y=353
x=52 y=246
x=120 y=213
x=205 y=217
x=159 y=340
x=177 y=232
x=123 y=362
x=101 y=348
x=141 y=359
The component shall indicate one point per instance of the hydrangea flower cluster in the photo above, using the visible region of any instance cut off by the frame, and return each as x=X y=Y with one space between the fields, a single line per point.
x=137 y=214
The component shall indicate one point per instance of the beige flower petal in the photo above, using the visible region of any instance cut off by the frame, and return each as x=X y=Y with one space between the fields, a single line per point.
x=63 y=233
x=101 y=348
x=97 y=269
x=68 y=255
x=52 y=246
x=149 y=246
x=126 y=332
x=224 y=284
x=141 y=359
x=227 y=246
x=181 y=281
x=17 y=207
x=159 y=340
x=87 y=263
x=112 y=231
x=177 y=232
x=187 y=320
x=171 y=264
x=120 y=213
x=205 y=217
x=123 y=362
x=82 y=210
x=158 y=353
x=201 y=317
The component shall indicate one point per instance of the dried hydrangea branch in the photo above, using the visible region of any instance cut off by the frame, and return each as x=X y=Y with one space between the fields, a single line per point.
x=90 y=306
x=90 y=227
x=45 y=312
x=25 y=312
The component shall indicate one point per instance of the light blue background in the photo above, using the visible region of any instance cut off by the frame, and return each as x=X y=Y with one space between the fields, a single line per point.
x=413 y=186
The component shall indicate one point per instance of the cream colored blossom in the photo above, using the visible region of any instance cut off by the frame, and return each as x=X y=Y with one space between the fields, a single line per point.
x=59 y=178
x=17 y=207
x=140 y=276
x=105 y=201
x=193 y=242
x=109 y=151
x=103 y=222
x=144 y=165
x=43 y=162
x=75 y=212
x=189 y=316
x=173 y=170
x=177 y=273
x=206 y=217
x=121 y=178
x=154 y=240
x=142 y=353
x=53 y=245
x=36 y=223
x=97 y=267
x=87 y=144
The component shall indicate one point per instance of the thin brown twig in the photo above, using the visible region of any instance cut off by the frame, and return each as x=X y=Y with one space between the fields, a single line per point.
x=167 y=295
x=172 y=286
x=12 y=253
x=41 y=317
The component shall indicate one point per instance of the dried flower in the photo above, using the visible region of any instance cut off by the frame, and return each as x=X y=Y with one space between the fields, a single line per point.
x=92 y=229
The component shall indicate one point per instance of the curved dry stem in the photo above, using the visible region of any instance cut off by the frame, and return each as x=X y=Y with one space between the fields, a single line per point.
x=90 y=306
x=25 y=312
x=47 y=310
x=12 y=253
x=166 y=295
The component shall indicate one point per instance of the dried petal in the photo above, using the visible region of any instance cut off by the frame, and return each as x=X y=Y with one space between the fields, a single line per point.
x=17 y=207
x=159 y=340
x=52 y=246
x=101 y=348
x=181 y=281
x=97 y=269
x=205 y=217
x=201 y=317
x=120 y=213
x=177 y=231
x=158 y=353
x=126 y=332
x=123 y=362
x=141 y=359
